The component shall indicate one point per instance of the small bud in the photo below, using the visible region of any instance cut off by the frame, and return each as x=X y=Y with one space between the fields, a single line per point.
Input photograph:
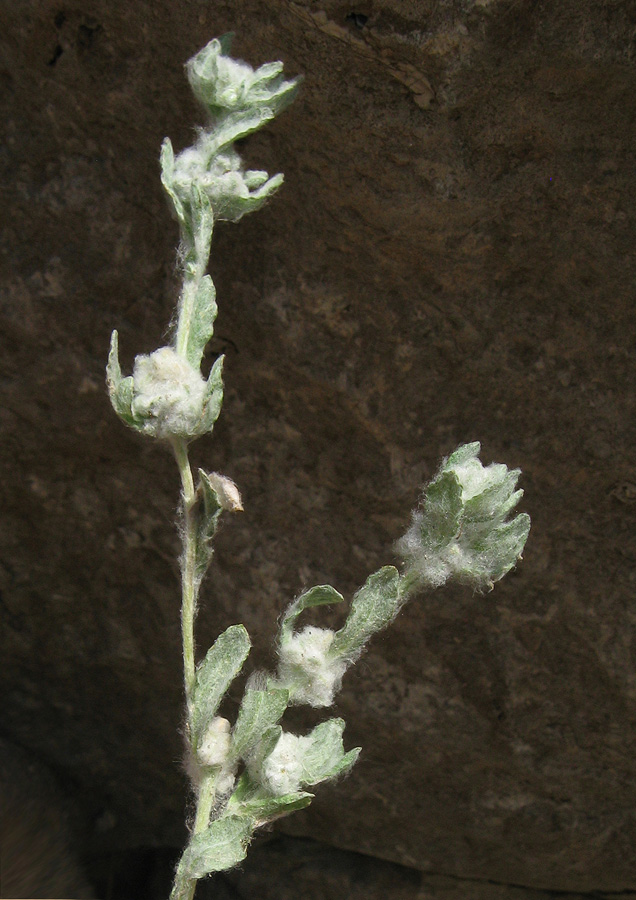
x=225 y=782
x=227 y=493
x=215 y=746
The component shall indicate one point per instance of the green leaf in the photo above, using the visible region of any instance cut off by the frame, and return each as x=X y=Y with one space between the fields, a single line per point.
x=208 y=515
x=232 y=199
x=260 y=710
x=211 y=504
x=502 y=548
x=221 y=846
x=320 y=595
x=203 y=314
x=213 y=397
x=267 y=73
x=325 y=757
x=202 y=216
x=244 y=788
x=259 y=753
x=221 y=665
x=120 y=389
x=277 y=94
x=236 y=125
x=442 y=511
x=265 y=809
x=225 y=42
x=463 y=453
x=255 y=178
x=495 y=502
x=373 y=607
x=167 y=179
x=248 y=798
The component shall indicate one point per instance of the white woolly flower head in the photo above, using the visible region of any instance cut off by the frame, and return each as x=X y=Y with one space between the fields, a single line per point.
x=460 y=528
x=306 y=668
x=168 y=394
x=296 y=763
x=282 y=770
x=165 y=397
x=231 y=190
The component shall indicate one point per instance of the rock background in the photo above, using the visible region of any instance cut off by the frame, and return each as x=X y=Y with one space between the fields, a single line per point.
x=451 y=259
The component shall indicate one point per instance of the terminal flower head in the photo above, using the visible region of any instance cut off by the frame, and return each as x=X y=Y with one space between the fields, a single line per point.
x=460 y=528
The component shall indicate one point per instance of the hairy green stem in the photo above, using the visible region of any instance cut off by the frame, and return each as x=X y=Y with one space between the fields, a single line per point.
x=196 y=260
x=185 y=887
x=189 y=585
x=205 y=801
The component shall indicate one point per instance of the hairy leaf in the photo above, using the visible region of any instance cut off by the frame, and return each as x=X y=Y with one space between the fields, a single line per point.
x=120 y=389
x=373 y=607
x=221 y=846
x=260 y=709
x=221 y=665
x=320 y=595
x=324 y=757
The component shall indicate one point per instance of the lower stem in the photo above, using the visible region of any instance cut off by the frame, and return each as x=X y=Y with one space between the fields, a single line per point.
x=185 y=887
x=189 y=589
x=205 y=802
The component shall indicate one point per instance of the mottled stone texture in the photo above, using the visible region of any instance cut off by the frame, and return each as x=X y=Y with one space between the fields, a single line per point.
x=451 y=259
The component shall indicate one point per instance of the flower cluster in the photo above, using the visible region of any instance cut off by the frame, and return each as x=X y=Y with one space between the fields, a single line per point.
x=225 y=85
x=460 y=528
x=231 y=190
x=167 y=394
x=165 y=397
x=296 y=762
x=282 y=771
x=239 y=100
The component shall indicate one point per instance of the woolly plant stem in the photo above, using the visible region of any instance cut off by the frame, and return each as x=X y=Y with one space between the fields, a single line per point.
x=184 y=887
x=189 y=585
x=196 y=252
x=196 y=255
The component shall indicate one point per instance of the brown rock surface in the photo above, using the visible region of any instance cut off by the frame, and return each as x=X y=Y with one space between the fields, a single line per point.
x=451 y=259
